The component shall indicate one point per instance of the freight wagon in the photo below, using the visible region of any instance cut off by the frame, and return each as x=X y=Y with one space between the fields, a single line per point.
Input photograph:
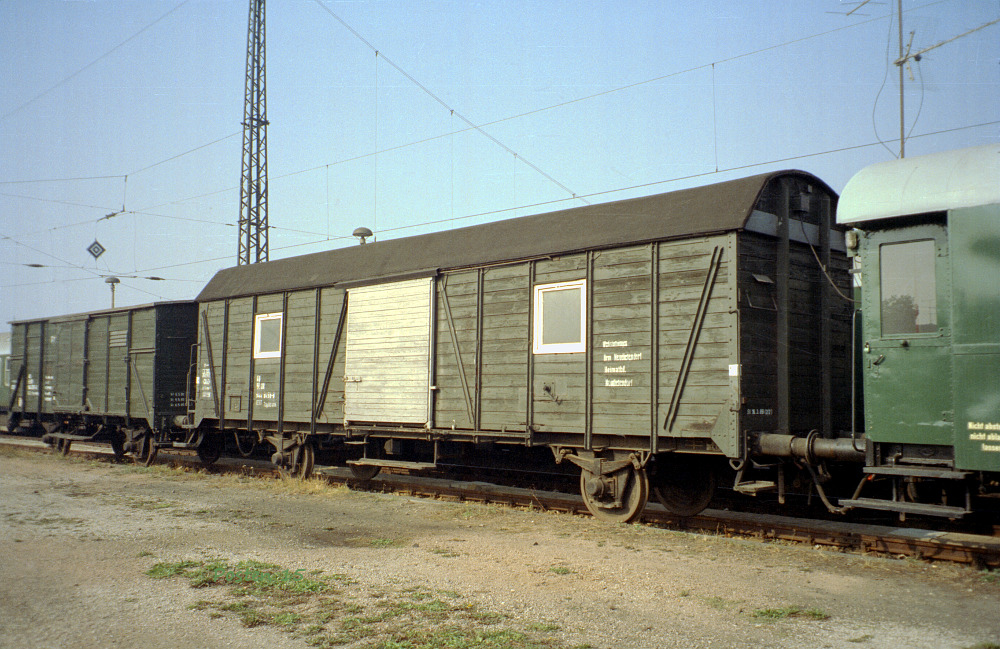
x=646 y=341
x=118 y=375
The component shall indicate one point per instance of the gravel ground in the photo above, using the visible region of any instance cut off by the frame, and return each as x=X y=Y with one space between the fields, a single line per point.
x=78 y=537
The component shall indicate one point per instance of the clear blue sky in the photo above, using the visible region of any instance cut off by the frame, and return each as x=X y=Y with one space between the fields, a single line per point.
x=605 y=100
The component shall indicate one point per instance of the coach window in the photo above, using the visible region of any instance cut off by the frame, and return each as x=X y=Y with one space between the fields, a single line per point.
x=560 y=318
x=267 y=335
x=909 y=291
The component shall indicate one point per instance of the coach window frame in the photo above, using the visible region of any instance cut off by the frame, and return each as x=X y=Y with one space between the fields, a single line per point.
x=915 y=259
x=259 y=322
x=540 y=291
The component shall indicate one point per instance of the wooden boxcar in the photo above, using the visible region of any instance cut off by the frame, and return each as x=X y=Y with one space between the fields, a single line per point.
x=119 y=374
x=647 y=333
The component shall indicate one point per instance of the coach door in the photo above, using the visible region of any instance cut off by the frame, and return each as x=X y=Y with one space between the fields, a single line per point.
x=907 y=360
x=388 y=361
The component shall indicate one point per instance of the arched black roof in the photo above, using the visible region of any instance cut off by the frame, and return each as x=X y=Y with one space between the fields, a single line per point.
x=709 y=209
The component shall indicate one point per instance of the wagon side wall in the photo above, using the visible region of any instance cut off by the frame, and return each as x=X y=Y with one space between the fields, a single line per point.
x=283 y=389
x=176 y=332
x=644 y=362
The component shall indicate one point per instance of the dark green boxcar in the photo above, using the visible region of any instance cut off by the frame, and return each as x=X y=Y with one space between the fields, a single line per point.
x=677 y=323
x=126 y=366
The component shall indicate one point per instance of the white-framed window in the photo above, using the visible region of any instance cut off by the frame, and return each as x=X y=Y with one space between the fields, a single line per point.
x=267 y=335
x=560 y=325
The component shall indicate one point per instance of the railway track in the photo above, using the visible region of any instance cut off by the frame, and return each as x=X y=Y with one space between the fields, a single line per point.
x=973 y=549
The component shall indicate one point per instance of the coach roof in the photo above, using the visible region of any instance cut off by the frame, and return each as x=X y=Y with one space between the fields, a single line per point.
x=709 y=209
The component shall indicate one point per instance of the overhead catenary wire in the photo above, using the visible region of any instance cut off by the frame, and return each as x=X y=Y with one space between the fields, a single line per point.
x=91 y=64
x=490 y=212
x=444 y=104
x=471 y=127
x=557 y=201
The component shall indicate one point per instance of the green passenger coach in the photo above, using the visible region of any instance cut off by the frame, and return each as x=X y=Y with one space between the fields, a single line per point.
x=927 y=241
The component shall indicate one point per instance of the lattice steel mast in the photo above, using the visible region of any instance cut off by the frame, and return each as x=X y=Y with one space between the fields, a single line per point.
x=253 y=187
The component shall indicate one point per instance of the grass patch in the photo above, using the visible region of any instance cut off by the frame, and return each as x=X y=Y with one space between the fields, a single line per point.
x=774 y=614
x=382 y=543
x=450 y=637
x=544 y=627
x=314 y=607
x=164 y=570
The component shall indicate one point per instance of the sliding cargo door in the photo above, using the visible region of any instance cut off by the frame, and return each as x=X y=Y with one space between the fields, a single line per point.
x=388 y=363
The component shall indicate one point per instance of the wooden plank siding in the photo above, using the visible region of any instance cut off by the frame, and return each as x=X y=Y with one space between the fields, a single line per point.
x=237 y=354
x=97 y=365
x=506 y=308
x=758 y=313
x=387 y=369
x=66 y=365
x=262 y=387
x=621 y=315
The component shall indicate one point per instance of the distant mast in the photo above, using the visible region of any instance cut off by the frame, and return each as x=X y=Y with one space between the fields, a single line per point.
x=253 y=186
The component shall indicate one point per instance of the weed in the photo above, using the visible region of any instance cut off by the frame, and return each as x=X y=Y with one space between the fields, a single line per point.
x=254 y=577
x=164 y=570
x=865 y=638
x=458 y=638
x=990 y=576
x=772 y=614
x=254 y=618
x=560 y=570
x=382 y=543
x=300 y=603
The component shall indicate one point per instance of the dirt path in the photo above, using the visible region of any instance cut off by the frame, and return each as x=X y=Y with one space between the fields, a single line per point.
x=78 y=537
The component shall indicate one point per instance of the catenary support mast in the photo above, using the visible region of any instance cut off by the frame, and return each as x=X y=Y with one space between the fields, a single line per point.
x=253 y=186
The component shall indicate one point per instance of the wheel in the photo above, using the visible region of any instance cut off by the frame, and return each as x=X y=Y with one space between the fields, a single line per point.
x=118 y=444
x=146 y=453
x=684 y=488
x=210 y=449
x=598 y=494
x=303 y=458
x=364 y=471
